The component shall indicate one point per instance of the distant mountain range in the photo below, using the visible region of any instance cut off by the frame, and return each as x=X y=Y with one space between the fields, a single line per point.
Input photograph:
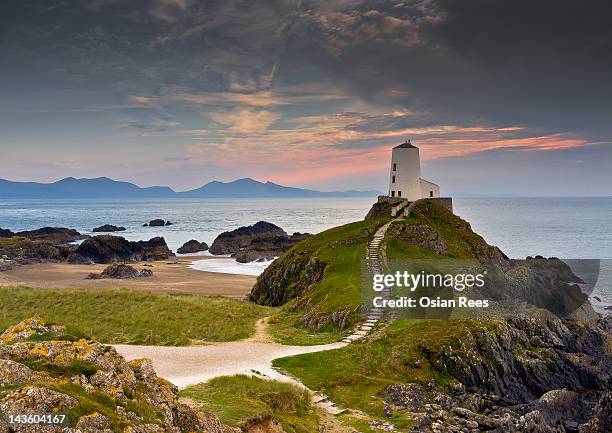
x=103 y=187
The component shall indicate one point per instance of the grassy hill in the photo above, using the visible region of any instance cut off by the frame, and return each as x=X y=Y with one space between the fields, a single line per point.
x=318 y=284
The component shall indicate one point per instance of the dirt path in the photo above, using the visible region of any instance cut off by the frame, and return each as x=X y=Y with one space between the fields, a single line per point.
x=189 y=365
x=168 y=276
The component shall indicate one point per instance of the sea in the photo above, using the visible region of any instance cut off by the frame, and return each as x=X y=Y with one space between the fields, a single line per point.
x=564 y=227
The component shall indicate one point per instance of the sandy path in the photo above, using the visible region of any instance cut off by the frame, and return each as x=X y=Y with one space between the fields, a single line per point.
x=168 y=276
x=185 y=366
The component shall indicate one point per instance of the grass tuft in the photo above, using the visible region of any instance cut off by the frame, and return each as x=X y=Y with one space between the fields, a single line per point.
x=240 y=399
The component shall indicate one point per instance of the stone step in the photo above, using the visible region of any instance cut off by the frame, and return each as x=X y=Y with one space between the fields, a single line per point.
x=318 y=398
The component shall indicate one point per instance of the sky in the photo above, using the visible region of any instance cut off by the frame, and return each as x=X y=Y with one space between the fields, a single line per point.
x=501 y=96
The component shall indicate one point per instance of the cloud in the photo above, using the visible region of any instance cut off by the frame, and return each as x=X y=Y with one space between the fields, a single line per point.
x=141 y=101
x=244 y=121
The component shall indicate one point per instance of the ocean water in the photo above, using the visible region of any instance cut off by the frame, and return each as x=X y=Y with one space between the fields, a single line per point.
x=570 y=228
x=561 y=227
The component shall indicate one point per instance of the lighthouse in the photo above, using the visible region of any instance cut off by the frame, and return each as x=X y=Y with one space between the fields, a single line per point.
x=405 y=175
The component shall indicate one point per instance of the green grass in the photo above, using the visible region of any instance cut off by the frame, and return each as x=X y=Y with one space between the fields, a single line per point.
x=13 y=242
x=133 y=317
x=356 y=374
x=342 y=249
x=462 y=242
x=286 y=328
x=238 y=399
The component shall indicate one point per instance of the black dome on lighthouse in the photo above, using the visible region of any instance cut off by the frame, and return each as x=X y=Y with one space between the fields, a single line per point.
x=406 y=145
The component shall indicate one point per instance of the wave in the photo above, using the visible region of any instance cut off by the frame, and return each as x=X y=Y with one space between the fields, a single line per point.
x=229 y=266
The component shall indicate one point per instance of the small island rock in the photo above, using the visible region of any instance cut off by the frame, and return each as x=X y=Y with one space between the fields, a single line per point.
x=157 y=223
x=6 y=233
x=192 y=246
x=108 y=228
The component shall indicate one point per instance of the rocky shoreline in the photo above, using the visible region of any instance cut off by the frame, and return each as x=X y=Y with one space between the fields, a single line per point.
x=259 y=242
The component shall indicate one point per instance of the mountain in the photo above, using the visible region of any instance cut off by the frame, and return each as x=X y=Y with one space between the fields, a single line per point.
x=100 y=187
x=247 y=187
x=103 y=187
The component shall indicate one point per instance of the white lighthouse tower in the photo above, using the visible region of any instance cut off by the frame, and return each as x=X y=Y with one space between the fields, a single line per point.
x=405 y=175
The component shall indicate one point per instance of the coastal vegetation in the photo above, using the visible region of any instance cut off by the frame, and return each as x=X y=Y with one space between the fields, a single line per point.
x=318 y=283
x=358 y=374
x=134 y=317
x=240 y=400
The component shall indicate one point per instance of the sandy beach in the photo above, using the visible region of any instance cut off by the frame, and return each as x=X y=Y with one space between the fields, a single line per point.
x=171 y=275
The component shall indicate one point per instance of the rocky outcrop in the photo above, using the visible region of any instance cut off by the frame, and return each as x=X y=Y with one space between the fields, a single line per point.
x=108 y=249
x=261 y=249
x=192 y=246
x=233 y=241
x=382 y=208
x=23 y=251
x=158 y=222
x=527 y=374
x=121 y=271
x=107 y=228
x=57 y=235
x=6 y=233
x=42 y=373
x=420 y=235
x=261 y=241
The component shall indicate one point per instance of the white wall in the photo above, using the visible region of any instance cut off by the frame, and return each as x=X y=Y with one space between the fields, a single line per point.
x=428 y=187
x=407 y=173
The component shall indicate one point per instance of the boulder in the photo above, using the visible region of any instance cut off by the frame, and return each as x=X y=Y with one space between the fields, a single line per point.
x=53 y=234
x=261 y=249
x=233 y=241
x=108 y=249
x=121 y=271
x=6 y=233
x=106 y=228
x=157 y=223
x=192 y=246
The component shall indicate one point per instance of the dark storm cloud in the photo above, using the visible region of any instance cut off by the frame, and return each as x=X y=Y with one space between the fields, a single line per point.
x=327 y=79
x=542 y=63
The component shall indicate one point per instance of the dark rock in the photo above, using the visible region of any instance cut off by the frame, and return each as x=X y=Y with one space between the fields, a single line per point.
x=5 y=233
x=383 y=207
x=261 y=249
x=192 y=246
x=53 y=234
x=23 y=251
x=503 y=362
x=108 y=228
x=168 y=223
x=108 y=249
x=233 y=241
x=287 y=278
x=602 y=417
x=156 y=223
x=122 y=271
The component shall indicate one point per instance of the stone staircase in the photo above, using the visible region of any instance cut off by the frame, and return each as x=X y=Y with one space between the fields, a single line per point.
x=375 y=266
